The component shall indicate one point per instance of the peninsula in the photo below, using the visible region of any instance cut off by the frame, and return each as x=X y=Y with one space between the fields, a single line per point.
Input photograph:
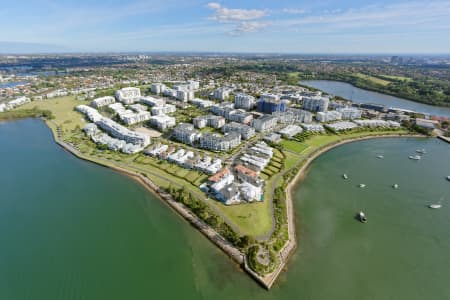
x=224 y=153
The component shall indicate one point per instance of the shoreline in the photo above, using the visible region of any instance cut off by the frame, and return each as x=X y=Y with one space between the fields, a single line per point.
x=376 y=91
x=231 y=251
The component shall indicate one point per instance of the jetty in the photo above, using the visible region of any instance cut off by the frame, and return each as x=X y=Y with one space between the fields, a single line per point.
x=444 y=138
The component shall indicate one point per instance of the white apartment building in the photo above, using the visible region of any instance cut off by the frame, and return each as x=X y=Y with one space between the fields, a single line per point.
x=350 y=113
x=162 y=122
x=184 y=95
x=244 y=101
x=245 y=131
x=162 y=110
x=264 y=123
x=222 y=93
x=102 y=101
x=128 y=95
x=328 y=116
x=315 y=103
x=158 y=88
x=150 y=101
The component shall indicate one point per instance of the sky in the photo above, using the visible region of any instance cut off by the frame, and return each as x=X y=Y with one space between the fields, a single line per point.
x=281 y=26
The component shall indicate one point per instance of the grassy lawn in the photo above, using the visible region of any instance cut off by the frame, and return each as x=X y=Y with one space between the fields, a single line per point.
x=373 y=79
x=63 y=110
x=253 y=219
x=402 y=78
x=293 y=145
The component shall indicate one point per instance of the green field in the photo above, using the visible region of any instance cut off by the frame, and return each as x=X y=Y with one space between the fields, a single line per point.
x=63 y=110
x=373 y=79
x=293 y=145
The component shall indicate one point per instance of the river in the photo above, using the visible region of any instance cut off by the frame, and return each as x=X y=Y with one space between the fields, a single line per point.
x=70 y=229
x=358 y=95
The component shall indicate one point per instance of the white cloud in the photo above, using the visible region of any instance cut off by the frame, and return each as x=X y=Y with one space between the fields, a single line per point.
x=294 y=11
x=244 y=20
x=223 y=14
x=247 y=27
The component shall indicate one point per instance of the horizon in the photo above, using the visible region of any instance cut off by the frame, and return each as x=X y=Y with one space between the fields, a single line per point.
x=256 y=27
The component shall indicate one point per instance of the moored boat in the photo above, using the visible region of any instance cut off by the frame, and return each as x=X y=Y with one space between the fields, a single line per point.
x=380 y=156
x=415 y=157
x=362 y=217
x=395 y=186
x=448 y=178
x=362 y=185
x=421 y=151
x=345 y=176
x=435 y=206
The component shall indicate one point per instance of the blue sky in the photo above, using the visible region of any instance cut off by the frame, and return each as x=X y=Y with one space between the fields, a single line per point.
x=327 y=26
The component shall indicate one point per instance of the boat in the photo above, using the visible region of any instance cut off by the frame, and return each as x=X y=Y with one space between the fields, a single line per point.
x=362 y=217
x=362 y=185
x=395 y=186
x=448 y=178
x=380 y=156
x=415 y=157
x=435 y=206
x=345 y=176
x=421 y=151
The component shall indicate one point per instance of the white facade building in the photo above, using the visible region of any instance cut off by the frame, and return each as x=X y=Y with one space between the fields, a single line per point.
x=328 y=116
x=316 y=103
x=102 y=101
x=244 y=101
x=264 y=123
x=128 y=95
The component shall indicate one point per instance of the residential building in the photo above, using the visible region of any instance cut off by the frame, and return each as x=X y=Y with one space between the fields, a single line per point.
x=216 y=142
x=103 y=101
x=316 y=103
x=264 y=123
x=186 y=133
x=202 y=103
x=245 y=131
x=294 y=115
x=222 y=93
x=270 y=103
x=185 y=95
x=162 y=110
x=209 y=120
x=123 y=133
x=290 y=131
x=428 y=124
x=150 y=101
x=342 y=125
x=157 y=88
x=350 y=113
x=244 y=101
x=328 y=116
x=128 y=95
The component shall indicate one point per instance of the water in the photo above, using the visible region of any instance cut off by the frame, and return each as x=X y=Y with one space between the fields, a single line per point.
x=358 y=95
x=73 y=230
x=11 y=84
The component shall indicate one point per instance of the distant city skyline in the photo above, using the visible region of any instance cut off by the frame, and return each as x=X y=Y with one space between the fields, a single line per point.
x=334 y=27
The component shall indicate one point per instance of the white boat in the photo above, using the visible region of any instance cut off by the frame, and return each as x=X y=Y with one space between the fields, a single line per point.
x=380 y=156
x=395 y=186
x=362 y=217
x=421 y=151
x=435 y=206
x=345 y=176
x=448 y=178
x=415 y=157
x=362 y=185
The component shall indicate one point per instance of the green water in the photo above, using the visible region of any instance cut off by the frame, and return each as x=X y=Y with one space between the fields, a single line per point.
x=73 y=230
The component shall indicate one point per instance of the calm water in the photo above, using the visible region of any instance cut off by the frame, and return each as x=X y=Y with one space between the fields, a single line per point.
x=11 y=84
x=358 y=95
x=73 y=230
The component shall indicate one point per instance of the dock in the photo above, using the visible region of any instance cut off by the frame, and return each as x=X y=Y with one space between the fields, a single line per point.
x=444 y=138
